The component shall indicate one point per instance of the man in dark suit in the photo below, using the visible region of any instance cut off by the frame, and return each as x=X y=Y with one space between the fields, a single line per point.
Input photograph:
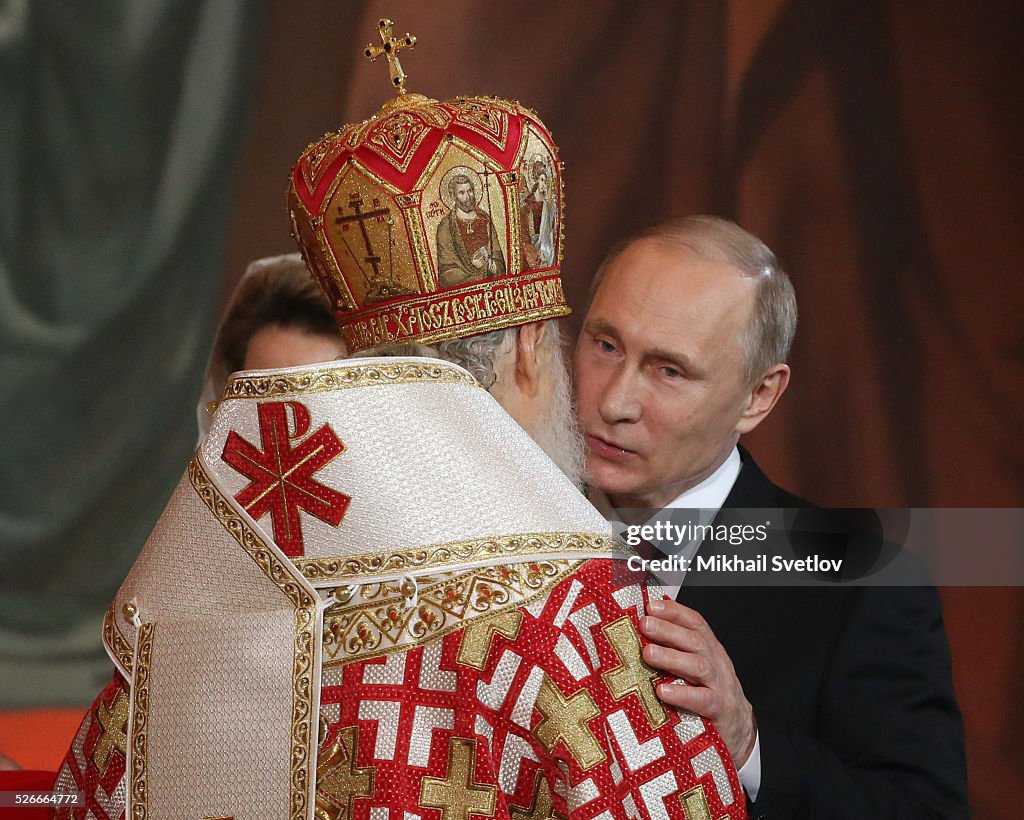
x=834 y=701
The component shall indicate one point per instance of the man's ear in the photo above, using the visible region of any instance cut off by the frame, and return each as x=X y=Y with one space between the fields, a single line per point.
x=528 y=364
x=763 y=397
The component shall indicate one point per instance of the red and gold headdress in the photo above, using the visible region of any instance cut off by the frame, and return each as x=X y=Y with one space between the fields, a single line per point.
x=432 y=220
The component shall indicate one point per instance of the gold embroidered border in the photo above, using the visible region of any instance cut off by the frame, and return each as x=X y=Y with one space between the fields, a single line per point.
x=354 y=134
x=345 y=375
x=510 y=189
x=479 y=307
x=412 y=213
x=113 y=638
x=451 y=554
x=378 y=143
x=140 y=722
x=305 y=622
x=429 y=109
x=561 y=214
x=468 y=115
x=383 y=622
x=325 y=253
x=508 y=106
x=435 y=619
x=316 y=251
x=489 y=162
x=356 y=163
x=364 y=341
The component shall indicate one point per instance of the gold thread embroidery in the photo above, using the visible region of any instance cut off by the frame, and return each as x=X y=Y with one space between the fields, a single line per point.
x=140 y=721
x=433 y=161
x=477 y=307
x=354 y=135
x=317 y=158
x=454 y=142
x=113 y=638
x=383 y=622
x=632 y=676
x=482 y=117
x=339 y=781
x=541 y=806
x=456 y=794
x=363 y=341
x=565 y=720
x=561 y=214
x=344 y=375
x=414 y=227
x=695 y=805
x=355 y=163
x=476 y=640
x=372 y=249
x=509 y=106
x=323 y=246
x=397 y=139
x=305 y=625
x=113 y=720
x=396 y=134
x=510 y=188
x=454 y=553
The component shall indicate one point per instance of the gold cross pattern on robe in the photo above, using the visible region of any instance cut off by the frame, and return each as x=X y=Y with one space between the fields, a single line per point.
x=632 y=675
x=113 y=720
x=338 y=781
x=695 y=805
x=476 y=640
x=456 y=795
x=565 y=719
x=390 y=48
x=541 y=807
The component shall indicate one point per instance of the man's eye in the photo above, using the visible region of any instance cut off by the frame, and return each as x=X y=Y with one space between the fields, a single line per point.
x=672 y=373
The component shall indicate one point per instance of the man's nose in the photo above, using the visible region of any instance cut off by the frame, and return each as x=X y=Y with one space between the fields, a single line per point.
x=620 y=401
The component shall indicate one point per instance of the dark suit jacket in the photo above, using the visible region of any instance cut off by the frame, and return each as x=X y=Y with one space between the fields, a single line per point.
x=851 y=688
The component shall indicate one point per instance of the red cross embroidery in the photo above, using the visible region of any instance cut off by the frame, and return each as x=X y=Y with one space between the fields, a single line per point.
x=281 y=476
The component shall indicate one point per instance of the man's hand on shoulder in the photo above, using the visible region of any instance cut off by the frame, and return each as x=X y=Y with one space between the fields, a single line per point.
x=682 y=644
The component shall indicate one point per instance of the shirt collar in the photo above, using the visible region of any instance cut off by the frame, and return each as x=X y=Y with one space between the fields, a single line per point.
x=710 y=494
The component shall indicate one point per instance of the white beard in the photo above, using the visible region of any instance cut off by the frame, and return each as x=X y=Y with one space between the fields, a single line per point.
x=557 y=433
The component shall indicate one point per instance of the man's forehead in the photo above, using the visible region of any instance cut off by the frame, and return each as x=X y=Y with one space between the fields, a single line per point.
x=671 y=297
x=674 y=276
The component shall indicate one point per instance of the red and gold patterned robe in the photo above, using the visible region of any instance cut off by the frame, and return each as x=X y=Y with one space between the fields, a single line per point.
x=509 y=692
x=463 y=632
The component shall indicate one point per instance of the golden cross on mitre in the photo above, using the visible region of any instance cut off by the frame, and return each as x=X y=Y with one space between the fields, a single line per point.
x=392 y=45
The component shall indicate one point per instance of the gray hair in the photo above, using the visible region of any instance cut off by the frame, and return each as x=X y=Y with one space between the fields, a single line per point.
x=769 y=335
x=479 y=354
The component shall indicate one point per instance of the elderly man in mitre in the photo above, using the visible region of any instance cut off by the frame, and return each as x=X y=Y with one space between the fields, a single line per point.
x=373 y=596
